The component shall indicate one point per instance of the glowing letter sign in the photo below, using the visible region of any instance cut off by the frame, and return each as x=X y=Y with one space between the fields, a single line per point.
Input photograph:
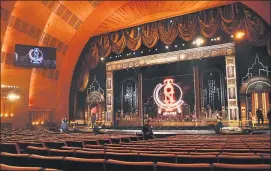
x=168 y=104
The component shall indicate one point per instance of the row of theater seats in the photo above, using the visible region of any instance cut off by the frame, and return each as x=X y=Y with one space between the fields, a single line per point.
x=79 y=164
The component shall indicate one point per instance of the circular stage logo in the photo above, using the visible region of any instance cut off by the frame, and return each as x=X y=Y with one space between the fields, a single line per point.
x=36 y=55
x=167 y=101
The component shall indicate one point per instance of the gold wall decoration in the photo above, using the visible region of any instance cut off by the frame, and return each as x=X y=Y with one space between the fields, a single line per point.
x=171 y=57
x=233 y=110
x=109 y=99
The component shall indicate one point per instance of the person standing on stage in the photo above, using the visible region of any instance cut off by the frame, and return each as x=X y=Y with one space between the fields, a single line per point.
x=269 y=117
x=259 y=115
x=147 y=131
x=93 y=116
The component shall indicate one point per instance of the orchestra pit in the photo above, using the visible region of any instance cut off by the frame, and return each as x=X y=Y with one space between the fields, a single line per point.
x=135 y=85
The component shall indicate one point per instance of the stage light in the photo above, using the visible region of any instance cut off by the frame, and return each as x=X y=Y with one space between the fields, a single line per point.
x=171 y=21
x=183 y=44
x=232 y=36
x=156 y=49
x=212 y=39
x=11 y=115
x=198 y=41
x=110 y=57
x=176 y=46
x=13 y=96
x=37 y=123
x=218 y=38
x=42 y=122
x=33 y=123
x=149 y=50
x=6 y=115
x=1 y=115
x=167 y=47
x=138 y=28
x=239 y=35
x=2 y=86
x=102 y=58
x=141 y=51
x=120 y=55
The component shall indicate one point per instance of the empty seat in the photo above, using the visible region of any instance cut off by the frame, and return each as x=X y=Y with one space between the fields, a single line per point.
x=196 y=159
x=122 y=156
x=240 y=167
x=55 y=145
x=90 y=142
x=22 y=145
x=10 y=148
x=266 y=159
x=170 y=158
x=240 y=159
x=204 y=153
x=37 y=150
x=72 y=164
x=238 y=154
x=125 y=139
x=94 y=146
x=115 y=140
x=115 y=165
x=105 y=141
x=75 y=144
x=46 y=161
x=57 y=152
x=182 y=167
x=14 y=159
x=4 y=167
x=89 y=154
x=70 y=148
x=237 y=150
x=37 y=144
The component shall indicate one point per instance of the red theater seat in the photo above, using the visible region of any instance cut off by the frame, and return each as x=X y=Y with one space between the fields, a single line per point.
x=37 y=150
x=122 y=156
x=15 y=168
x=240 y=159
x=75 y=144
x=55 y=145
x=10 y=148
x=115 y=165
x=170 y=158
x=196 y=159
x=240 y=167
x=74 y=164
x=57 y=152
x=14 y=159
x=182 y=167
x=46 y=161
x=89 y=154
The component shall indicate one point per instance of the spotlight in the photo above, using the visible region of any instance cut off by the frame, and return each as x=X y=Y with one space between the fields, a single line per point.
x=134 y=53
x=156 y=49
x=6 y=115
x=120 y=55
x=171 y=21
x=212 y=39
x=239 y=35
x=12 y=115
x=141 y=51
x=13 y=96
x=176 y=46
x=2 y=86
x=167 y=47
x=183 y=44
x=111 y=57
x=1 y=115
x=218 y=38
x=42 y=122
x=33 y=123
x=231 y=36
x=138 y=28
x=102 y=58
x=198 y=41
x=149 y=50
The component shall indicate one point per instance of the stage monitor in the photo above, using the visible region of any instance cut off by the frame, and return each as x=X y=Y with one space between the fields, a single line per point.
x=35 y=56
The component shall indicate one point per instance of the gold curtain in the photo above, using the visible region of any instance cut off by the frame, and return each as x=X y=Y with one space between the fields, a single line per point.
x=167 y=31
x=149 y=33
x=133 y=38
x=118 y=42
x=188 y=27
x=229 y=18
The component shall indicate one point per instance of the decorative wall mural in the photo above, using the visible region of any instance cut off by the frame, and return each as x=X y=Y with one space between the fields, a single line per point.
x=129 y=96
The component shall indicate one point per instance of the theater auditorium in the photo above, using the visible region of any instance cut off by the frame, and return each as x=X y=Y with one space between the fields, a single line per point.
x=135 y=85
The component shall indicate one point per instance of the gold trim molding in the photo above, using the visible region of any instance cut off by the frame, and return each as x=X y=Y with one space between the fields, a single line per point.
x=171 y=57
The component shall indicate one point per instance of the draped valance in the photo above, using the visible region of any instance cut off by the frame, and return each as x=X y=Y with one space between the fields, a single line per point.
x=229 y=18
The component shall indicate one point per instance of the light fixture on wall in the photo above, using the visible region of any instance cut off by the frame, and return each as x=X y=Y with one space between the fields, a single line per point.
x=199 y=41
x=13 y=96
x=239 y=35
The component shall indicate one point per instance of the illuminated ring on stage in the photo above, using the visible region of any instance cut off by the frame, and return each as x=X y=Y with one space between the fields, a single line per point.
x=40 y=55
x=160 y=103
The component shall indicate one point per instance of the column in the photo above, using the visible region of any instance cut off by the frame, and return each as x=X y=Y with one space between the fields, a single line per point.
x=233 y=111
x=197 y=91
x=109 y=116
x=140 y=104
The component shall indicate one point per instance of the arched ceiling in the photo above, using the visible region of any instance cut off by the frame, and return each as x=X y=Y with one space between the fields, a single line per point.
x=67 y=26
